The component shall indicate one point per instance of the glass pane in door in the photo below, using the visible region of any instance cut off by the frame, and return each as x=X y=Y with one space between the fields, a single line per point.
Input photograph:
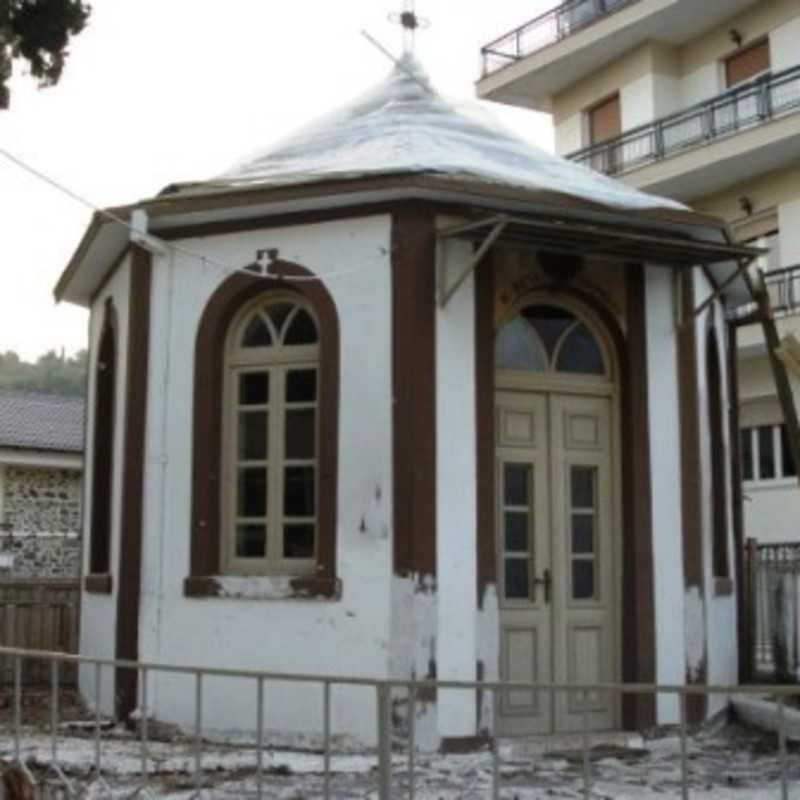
x=517 y=539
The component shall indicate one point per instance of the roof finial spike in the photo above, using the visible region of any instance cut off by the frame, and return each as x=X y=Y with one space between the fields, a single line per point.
x=410 y=23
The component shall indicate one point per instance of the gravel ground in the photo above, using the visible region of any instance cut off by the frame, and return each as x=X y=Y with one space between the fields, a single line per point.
x=730 y=762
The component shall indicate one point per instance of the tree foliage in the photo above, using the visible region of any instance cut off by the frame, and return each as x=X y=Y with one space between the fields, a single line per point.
x=51 y=373
x=38 y=31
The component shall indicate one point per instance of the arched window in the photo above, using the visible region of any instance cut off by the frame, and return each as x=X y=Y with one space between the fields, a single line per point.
x=265 y=435
x=105 y=370
x=719 y=488
x=270 y=438
x=543 y=338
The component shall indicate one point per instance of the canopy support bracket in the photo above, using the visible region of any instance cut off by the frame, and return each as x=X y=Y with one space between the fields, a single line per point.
x=445 y=291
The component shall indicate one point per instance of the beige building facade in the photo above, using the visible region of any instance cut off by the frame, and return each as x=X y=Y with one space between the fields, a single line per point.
x=699 y=102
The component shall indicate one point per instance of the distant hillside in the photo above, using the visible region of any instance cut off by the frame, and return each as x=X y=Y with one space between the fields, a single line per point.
x=51 y=373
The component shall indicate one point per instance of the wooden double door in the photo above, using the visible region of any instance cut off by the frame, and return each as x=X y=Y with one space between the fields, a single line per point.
x=557 y=572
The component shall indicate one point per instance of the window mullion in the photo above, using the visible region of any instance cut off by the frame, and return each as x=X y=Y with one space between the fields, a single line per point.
x=276 y=447
x=756 y=454
x=777 y=447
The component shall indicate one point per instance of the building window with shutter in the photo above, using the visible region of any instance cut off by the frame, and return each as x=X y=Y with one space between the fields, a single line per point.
x=747 y=64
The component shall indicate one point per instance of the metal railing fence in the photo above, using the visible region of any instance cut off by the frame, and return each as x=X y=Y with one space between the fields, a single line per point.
x=783 y=286
x=774 y=571
x=385 y=777
x=546 y=29
x=745 y=106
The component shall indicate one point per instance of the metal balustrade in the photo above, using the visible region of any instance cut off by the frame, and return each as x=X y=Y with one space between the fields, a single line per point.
x=743 y=107
x=546 y=29
x=387 y=779
x=783 y=286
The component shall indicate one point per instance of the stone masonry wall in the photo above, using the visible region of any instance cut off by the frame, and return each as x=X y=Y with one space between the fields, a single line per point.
x=41 y=522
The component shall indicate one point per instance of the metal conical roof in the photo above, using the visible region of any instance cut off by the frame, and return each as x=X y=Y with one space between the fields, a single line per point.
x=403 y=126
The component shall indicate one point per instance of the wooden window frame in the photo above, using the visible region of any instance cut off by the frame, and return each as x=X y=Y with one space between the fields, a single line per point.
x=207 y=526
x=726 y=63
x=589 y=112
x=277 y=361
x=98 y=579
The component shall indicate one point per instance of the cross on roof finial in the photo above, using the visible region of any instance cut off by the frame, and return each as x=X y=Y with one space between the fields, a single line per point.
x=410 y=23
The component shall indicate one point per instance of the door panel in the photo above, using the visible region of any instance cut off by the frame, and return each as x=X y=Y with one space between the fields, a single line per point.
x=583 y=554
x=554 y=520
x=523 y=553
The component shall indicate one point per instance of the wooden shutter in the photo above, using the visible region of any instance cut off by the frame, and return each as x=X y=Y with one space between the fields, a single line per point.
x=605 y=120
x=747 y=63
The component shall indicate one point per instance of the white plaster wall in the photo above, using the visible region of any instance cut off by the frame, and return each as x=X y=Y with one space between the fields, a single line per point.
x=701 y=84
x=637 y=102
x=789 y=227
x=771 y=511
x=721 y=632
x=99 y=611
x=666 y=94
x=456 y=502
x=413 y=650
x=784 y=52
x=665 y=466
x=569 y=134
x=488 y=652
x=348 y=637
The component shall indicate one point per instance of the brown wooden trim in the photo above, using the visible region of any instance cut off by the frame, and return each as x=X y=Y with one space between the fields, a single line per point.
x=414 y=388
x=482 y=192
x=638 y=635
x=130 y=551
x=267 y=221
x=105 y=409
x=227 y=300
x=638 y=619
x=307 y=587
x=485 y=413
x=737 y=502
x=98 y=584
x=691 y=473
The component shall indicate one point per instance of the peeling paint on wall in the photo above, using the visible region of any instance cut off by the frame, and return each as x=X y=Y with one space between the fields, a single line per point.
x=488 y=653
x=413 y=652
x=695 y=621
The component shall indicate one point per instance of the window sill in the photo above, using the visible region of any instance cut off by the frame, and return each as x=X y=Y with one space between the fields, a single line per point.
x=97 y=583
x=723 y=587
x=263 y=587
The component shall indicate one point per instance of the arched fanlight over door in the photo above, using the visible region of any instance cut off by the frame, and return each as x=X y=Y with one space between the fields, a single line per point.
x=544 y=338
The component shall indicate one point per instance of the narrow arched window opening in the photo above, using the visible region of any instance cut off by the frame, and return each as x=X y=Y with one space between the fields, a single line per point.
x=719 y=489
x=544 y=338
x=103 y=446
x=270 y=439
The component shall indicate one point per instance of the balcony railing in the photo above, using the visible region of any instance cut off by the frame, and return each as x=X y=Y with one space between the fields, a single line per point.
x=549 y=28
x=783 y=286
x=746 y=106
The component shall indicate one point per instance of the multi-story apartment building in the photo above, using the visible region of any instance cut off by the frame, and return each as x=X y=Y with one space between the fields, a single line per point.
x=699 y=101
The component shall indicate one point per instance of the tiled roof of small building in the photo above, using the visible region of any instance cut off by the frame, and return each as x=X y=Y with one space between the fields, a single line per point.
x=41 y=422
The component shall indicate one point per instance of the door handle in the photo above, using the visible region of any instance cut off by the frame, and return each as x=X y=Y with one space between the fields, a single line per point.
x=546 y=581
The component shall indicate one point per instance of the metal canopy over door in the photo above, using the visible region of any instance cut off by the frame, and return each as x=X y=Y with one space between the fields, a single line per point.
x=557 y=572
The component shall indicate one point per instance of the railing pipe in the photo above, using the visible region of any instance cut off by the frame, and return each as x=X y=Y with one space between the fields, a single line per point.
x=260 y=738
x=708 y=115
x=97 y=688
x=412 y=744
x=198 y=732
x=326 y=738
x=684 y=749
x=17 y=705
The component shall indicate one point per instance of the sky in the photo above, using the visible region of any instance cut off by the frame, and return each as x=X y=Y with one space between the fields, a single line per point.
x=157 y=91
